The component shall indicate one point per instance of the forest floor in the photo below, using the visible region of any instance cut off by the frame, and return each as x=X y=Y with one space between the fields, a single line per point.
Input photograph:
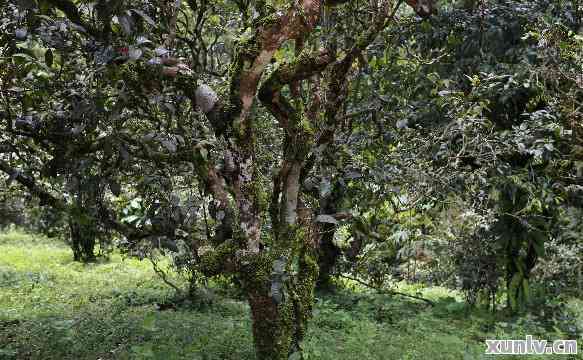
x=54 y=308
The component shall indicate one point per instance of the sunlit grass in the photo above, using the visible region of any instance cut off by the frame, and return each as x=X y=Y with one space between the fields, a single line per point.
x=54 y=308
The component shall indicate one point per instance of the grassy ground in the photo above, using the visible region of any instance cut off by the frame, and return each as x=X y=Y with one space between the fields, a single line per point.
x=53 y=308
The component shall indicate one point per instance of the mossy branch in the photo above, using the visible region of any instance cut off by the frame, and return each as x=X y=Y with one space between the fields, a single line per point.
x=218 y=260
x=304 y=66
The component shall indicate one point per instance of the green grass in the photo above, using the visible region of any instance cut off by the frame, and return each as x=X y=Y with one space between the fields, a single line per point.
x=53 y=308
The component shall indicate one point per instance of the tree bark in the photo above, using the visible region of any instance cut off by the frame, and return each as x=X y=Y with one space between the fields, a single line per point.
x=281 y=301
x=327 y=258
x=82 y=237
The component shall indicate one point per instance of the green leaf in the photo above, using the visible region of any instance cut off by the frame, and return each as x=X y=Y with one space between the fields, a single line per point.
x=203 y=153
x=326 y=219
x=145 y=17
x=539 y=243
x=525 y=289
x=130 y=219
x=295 y=356
x=49 y=57
x=24 y=57
x=126 y=24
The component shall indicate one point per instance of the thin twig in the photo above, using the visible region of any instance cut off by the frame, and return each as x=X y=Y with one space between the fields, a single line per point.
x=163 y=276
x=386 y=291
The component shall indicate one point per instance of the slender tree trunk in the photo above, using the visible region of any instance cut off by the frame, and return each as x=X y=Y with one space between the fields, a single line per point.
x=82 y=240
x=517 y=264
x=328 y=254
x=511 y=270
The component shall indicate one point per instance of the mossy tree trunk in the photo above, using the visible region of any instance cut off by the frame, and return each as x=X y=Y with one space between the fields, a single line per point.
x=281 y=305
x=278 y=276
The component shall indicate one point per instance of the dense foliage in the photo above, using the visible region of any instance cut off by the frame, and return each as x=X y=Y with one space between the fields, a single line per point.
x=283 y=146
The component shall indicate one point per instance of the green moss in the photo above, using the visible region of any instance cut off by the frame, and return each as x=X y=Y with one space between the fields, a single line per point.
x=286 y=322
x=273 y=321
x=214 y=262
x=307 y=277
x=246 y=50
x=297 y=309
x=266 y=20
x=255 y=271
x=262 y=196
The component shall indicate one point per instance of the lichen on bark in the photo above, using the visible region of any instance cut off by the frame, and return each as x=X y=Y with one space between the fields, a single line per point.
x=280 y=320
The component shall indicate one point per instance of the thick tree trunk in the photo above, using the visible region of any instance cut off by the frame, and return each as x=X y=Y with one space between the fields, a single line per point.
x=273 y=327
x=280 y=305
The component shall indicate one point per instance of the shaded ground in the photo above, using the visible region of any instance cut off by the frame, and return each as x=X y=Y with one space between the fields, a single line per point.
x=52 y=308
